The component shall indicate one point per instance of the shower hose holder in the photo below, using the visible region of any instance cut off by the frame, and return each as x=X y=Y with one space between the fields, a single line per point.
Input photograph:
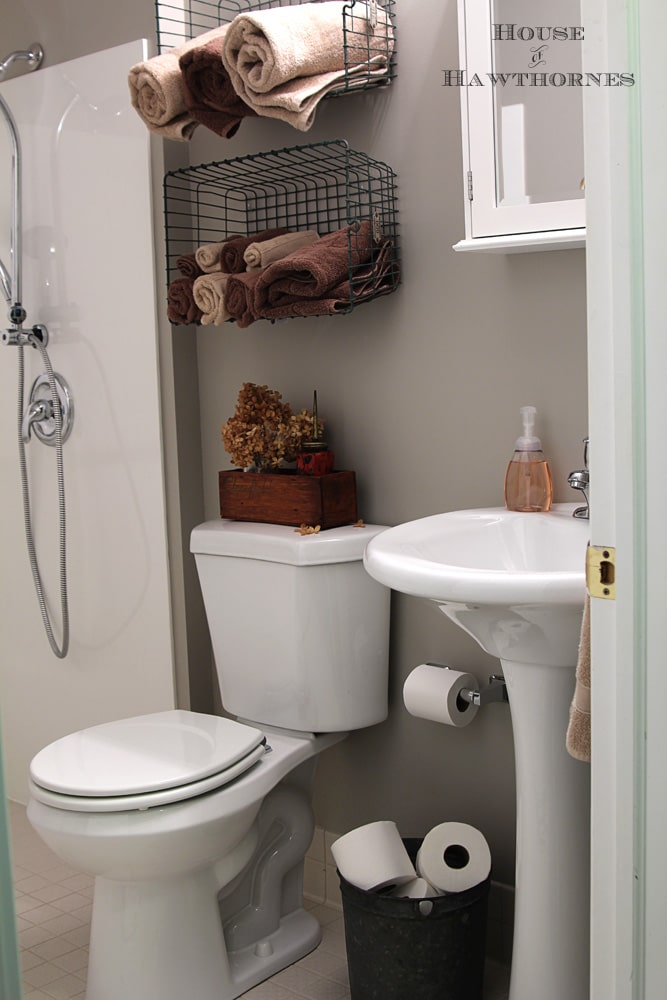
x=16 y=336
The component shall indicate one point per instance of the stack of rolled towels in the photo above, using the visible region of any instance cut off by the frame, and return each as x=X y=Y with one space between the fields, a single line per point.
x=276 y=274
x=275 y=63
x=453 y=857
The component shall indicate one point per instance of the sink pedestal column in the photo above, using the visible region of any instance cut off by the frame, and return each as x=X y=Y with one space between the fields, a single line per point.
x=551 y=927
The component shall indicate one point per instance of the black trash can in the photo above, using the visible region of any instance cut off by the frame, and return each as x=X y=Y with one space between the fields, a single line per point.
x=407 y=949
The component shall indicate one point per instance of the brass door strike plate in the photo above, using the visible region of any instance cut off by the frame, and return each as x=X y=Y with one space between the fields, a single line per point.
x=601 y=571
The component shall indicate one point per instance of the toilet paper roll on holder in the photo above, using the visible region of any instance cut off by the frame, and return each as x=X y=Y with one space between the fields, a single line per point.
x=495 y=690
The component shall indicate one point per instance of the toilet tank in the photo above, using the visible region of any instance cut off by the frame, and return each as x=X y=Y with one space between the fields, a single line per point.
x=300 y=631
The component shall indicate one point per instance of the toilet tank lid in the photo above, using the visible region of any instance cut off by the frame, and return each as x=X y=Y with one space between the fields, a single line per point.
x=281 y=543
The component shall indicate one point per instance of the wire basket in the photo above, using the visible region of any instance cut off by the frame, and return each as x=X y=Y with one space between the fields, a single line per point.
x=181 y=20
x=326 y=187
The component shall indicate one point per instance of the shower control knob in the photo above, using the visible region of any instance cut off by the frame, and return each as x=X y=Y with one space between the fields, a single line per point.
x=40 y=416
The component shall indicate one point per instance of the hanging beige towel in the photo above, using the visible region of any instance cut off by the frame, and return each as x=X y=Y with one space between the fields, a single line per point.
x=157 y=93
x=259 y=255
x=578 y=740
x=209 y=294
x=284 y=60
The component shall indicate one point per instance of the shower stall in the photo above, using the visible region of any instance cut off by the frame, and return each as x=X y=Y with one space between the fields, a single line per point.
x=50 y=409
x=88 y=234
x=84 y=238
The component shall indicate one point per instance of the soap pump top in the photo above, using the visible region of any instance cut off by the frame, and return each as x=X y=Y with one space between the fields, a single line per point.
x=528 y=441
x=528 y=485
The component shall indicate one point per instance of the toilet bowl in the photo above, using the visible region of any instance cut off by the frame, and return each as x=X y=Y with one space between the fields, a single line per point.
x=195 y=826
x=160 y=866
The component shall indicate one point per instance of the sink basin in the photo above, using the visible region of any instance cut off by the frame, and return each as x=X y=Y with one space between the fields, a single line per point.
x=515 y=582
x=490 y=556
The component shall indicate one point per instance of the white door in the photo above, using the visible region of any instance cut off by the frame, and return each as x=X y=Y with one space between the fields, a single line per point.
x=626 y=149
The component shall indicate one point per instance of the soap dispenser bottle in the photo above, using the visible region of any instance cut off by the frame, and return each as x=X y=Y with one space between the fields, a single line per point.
x=528 y=484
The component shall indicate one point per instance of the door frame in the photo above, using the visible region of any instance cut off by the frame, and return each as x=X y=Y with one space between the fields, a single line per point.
x=626 y=203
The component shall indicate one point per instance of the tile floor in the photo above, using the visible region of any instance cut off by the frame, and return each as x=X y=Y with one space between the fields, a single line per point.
x=53 y=906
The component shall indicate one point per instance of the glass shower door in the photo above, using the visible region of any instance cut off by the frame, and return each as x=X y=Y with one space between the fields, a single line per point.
x=10 y=978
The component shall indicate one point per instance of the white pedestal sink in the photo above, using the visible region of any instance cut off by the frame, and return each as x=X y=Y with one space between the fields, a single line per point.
x=516 y=583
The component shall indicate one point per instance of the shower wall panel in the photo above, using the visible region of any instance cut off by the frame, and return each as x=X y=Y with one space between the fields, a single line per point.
x=89 y=275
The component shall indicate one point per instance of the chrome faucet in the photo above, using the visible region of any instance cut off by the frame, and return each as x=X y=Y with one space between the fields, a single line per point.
x=580 y=480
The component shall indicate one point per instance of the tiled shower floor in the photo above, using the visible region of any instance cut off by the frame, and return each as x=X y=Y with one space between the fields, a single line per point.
x=53 y=906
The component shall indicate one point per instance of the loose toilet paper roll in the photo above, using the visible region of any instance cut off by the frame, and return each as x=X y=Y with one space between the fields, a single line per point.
x=454 y=857
x=434 y=692
x=373 y=856
x=418 y=888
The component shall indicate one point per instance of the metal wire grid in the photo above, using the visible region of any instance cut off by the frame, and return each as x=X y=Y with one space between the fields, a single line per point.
x=322 y=186
x=181 y=20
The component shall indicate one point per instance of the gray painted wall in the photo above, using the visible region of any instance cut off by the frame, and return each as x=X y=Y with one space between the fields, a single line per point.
x=421 y=391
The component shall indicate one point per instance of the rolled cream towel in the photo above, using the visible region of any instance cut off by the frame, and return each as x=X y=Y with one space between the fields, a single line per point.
x=209 y=294
x=284 y=60
x=209 y=95
x=259 y=255
x=156 y=93
x=181 y=306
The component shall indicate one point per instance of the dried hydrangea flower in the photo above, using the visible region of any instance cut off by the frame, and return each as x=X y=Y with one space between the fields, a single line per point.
x=264 y=432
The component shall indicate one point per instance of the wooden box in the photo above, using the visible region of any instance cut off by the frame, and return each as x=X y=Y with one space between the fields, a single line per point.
x=286 y=497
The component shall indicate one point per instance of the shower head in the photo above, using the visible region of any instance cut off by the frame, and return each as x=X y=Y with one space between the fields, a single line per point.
x=33 y=56
x=6 y=282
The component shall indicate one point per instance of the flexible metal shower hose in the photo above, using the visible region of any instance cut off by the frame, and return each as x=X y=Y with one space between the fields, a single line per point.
x=59 y=651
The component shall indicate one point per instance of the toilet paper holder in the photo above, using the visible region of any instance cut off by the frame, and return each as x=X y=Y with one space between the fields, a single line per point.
x=495 y=690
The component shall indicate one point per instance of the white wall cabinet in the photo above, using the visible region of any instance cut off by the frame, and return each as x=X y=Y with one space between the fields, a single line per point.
x=521 y=86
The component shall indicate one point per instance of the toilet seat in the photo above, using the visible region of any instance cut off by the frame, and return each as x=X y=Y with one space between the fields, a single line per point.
x=145 y=761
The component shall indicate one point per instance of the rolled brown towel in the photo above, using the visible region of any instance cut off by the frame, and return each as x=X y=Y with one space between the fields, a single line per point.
x=378 y=277
x=240 y=297
x=181 y=306
x=313 y=270
x=231 y=255
x=209 y=95
x=188 y=266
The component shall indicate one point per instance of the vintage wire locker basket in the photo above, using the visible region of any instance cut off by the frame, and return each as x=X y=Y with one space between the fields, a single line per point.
x=323 y=186
x=180 y=20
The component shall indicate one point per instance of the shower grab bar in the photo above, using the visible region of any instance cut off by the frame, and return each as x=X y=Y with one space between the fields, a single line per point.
x=33 y=56
x=17 y=225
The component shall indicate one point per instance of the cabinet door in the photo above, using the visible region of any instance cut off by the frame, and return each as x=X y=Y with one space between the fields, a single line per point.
x=522 y=96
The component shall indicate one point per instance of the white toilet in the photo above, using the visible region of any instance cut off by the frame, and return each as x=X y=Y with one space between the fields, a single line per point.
x=196 y=826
